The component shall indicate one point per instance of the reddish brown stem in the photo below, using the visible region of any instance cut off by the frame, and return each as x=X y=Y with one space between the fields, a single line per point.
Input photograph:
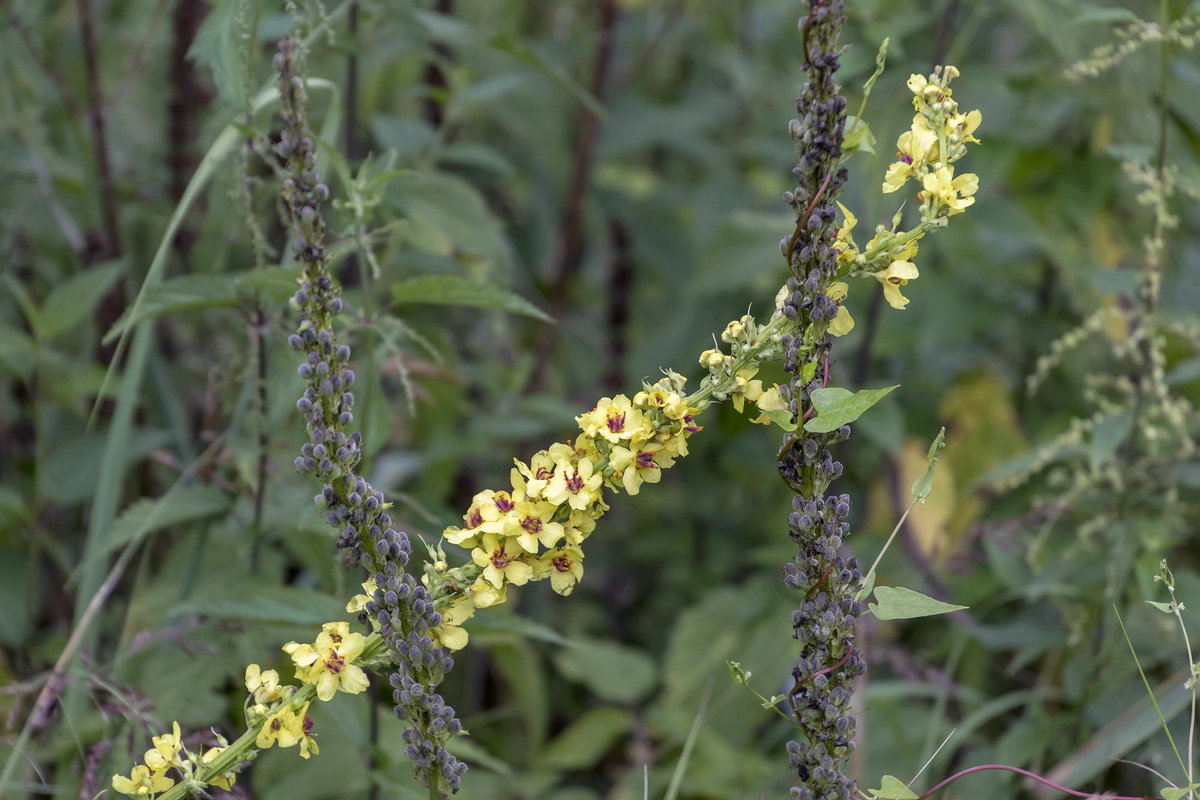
x=1032 y=776
x=803 y=220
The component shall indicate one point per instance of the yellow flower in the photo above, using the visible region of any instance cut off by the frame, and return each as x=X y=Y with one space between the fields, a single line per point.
x=564 y=566
x=484 y=594
x=165 y=752
x=450 y=634
x=669 y=403
x=531 y=524
x=615 y=419
x=842 y=323
x=574 y=484
x=264 y=684
x=225 y=781
x=328 y=662
x=357 y=603
x=899 y=273
x=283 y=728
x=953 y=193
x=308 y=739
x=580 y=525
x=637 y=468
x=500 y=564
x=771 y=400
x=489 y=512
x=844 y=241
x=142 y=782
x=541 y=468
x=963 y=125
x=745 y=389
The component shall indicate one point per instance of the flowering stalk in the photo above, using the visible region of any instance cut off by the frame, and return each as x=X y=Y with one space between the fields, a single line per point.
x=399 y=608
x=818 y=253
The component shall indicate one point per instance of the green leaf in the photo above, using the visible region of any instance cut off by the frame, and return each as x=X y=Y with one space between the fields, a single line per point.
x=277 y=283
x=178 y=506
x=923 y=485
x=268 y=604
x=17 y=351
x=462 y=291
x=868 y=584
x=837 y=407
x=615 y=672
x=500 y=622
x=783 y=418
x=859 y=138
x=1107 y=435
x=896 y=602
x=218 y=46
x=1163 y=607
x=179 y=294
x=892 y=788
x=1178 y=792
x=73 y=300
x=586 y=740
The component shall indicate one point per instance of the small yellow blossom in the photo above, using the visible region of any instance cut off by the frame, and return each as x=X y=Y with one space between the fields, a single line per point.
x=745 y=389
x=962 y=126
x=484 y=594
x=308 y=739
x=142 y=782
x=165 y=752
x=541 y=468
x=574 y=483
x=579 y=526
x=771 y=400
x=564 y=566
x=263 y=684
x=950 y=192
x=899 y=273
x=225 y=781
x=636 y=468
x=532 y=524
x=328 y=662
x=501 y=564
x=284 y=728
x=615 y=419
x=669 y=403
x=450 y=633
x=842 y=323
x=357 y=603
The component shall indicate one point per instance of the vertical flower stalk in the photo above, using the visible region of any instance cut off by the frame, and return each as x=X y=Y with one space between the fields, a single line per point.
x=824 y=621
x=397 y=606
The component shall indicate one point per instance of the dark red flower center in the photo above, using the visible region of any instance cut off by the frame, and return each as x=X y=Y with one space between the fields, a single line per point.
x=532 y=524
x=562 y=564
x=574 y=483
x=500 y=558
x=616 y=423
x=504 y=503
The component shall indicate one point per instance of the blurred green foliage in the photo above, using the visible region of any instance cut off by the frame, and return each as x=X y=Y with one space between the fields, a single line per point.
x=616 y=166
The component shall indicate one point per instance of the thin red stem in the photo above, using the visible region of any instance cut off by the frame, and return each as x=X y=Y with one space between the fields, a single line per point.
x=1031 y=776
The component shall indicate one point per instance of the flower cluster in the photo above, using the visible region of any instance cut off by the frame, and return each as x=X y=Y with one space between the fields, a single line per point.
x=168 y=753
x=535 y=529
x=938 y=137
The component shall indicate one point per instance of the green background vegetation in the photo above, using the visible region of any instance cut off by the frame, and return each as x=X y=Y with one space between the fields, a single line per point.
x=617 y=165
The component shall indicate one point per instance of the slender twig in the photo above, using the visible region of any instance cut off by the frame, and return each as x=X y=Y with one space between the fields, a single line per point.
x=108 y=197
x=570 y=248
x=435 y=80
x=620 y=283
x=1027 y=774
